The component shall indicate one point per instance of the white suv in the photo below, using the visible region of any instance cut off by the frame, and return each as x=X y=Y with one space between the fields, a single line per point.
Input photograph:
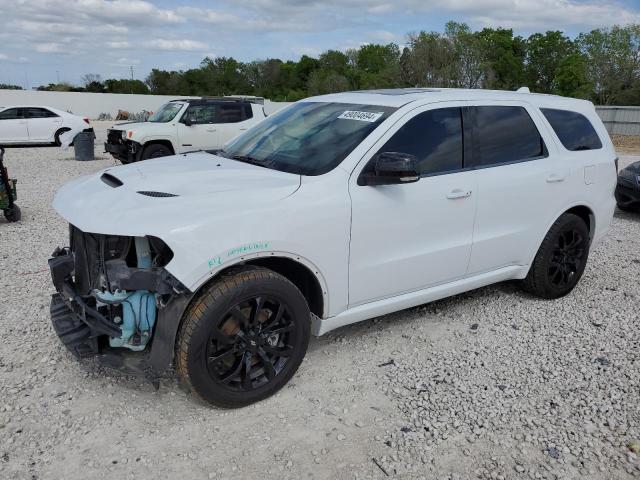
x=336 y=209
x=182 y=126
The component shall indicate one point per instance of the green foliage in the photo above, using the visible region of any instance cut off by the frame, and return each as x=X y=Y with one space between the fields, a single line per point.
x=602 y=65
x=545 y=53
x=6 y=86
x=126 y=86
x=613 y=64
x=572 y=77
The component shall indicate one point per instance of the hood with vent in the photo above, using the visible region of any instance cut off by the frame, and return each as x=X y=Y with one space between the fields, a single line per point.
x=134 y=198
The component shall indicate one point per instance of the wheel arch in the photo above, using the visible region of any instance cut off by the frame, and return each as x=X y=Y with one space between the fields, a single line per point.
x=159 y=141
x=582 y=210
x=299 y=271
x=58 y=132
x=587 y=215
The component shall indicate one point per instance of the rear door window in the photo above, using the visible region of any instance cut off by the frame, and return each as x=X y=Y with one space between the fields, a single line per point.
x=505 y=134
x=230 y=113
x=11 y=114
x=38 y=113
x=202 y=114
x=434 y=137
x=573 y=129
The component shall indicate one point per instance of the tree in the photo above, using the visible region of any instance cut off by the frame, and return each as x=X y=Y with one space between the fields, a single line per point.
x=470 y=55
x=504 y=58
x=430 y=61
x=572 y=77
x=6 y=86
x=126 y=86
x=92 y=83
x=545 y=53
x=613 y=60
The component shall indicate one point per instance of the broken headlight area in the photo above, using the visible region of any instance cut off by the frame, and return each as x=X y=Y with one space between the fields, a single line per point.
x=110 y=290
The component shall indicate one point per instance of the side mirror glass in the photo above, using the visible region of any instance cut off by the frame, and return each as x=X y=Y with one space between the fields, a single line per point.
x=391 y=168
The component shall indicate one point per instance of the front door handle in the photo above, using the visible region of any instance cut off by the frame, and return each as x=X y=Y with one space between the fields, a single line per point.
x=211 y=129
x=555 y=178
x=458 y=193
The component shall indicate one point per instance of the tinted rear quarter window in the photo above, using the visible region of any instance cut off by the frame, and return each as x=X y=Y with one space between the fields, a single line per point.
x=434 y=138
x=505 y=134
x=573 y=129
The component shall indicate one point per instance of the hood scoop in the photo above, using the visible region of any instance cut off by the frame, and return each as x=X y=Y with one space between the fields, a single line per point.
x=157 y=194
x=111 y=180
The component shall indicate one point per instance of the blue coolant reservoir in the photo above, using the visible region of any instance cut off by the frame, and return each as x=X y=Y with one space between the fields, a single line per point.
x=138 y=307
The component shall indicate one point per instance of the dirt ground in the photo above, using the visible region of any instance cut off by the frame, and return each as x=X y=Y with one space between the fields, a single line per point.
x=627 y=144
x=491 y=384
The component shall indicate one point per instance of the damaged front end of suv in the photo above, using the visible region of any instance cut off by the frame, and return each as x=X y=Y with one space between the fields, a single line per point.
x=111 y=292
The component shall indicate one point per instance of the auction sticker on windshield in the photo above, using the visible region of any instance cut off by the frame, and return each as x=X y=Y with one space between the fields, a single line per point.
x=362 y=116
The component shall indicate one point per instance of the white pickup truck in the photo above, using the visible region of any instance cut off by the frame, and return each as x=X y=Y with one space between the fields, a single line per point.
x=185 y=125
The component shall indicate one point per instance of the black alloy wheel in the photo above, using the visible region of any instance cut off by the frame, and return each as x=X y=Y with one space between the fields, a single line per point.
x=567 y=257
x=561 y=258
x=251 y=344
x=243 y=337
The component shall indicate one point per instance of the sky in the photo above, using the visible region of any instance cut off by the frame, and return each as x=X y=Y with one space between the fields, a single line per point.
x=46 y=41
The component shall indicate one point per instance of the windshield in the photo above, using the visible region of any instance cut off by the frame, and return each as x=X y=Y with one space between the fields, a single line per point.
x=166 y=113
x=308 y=138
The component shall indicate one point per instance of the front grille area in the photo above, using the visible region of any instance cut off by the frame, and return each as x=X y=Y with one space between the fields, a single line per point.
x=114 y=137
x=90 y=251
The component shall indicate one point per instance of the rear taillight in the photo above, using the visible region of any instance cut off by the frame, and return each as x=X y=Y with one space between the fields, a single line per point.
x=86 y=120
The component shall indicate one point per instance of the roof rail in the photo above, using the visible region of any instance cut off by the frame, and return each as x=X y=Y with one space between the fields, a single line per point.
x=523 y=90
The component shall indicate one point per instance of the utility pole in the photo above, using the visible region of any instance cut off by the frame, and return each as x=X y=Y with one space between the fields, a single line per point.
x=58 y=76
x=131 y=86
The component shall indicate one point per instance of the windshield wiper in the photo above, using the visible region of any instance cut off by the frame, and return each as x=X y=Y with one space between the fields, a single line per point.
x=249 y=159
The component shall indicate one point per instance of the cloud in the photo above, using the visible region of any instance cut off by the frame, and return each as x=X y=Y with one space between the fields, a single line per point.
x=175 y=45
x=162 y=34
x=49 y=48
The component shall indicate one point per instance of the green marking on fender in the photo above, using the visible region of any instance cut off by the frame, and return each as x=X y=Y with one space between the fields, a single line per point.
x=214 y=262
x=247 y=248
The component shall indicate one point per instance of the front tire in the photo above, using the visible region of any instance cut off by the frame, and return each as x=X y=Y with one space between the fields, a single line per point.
x=561 y=259
x=155 y=150
x=243 y=338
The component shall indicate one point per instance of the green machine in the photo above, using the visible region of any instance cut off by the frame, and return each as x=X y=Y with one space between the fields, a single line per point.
x=8 y=193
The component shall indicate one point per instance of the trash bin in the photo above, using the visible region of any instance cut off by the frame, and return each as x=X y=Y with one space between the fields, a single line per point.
x=83 y=146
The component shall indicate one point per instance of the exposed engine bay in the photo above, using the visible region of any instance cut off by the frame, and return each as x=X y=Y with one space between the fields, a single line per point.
x=110 y=291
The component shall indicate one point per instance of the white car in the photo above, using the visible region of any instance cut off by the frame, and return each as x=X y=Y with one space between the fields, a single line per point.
x=182 y=126
x=23 y=125
x=337 y=209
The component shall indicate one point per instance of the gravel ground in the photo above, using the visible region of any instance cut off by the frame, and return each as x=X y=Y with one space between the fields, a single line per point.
x=489 y=384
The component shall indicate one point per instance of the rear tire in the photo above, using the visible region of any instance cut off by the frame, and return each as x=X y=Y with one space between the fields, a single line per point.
x=243 y=338
x=56 y=137
x=13 y=213
x=560 y=260
x=155 y=150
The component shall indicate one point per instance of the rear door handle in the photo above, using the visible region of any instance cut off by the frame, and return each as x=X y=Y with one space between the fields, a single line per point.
x=458 y=193
x=555 y=178
x=211 y=129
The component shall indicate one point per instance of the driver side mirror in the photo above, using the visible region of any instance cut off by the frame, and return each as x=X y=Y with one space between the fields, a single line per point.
x=391 y=168
x=188 y=121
